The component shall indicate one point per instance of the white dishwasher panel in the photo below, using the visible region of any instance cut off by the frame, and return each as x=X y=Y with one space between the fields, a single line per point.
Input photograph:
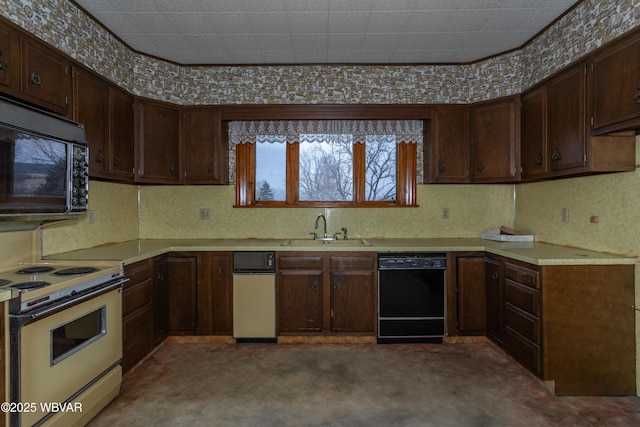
x=254 y=306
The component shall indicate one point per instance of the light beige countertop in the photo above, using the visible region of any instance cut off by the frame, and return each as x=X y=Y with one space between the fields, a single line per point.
x=537 y=253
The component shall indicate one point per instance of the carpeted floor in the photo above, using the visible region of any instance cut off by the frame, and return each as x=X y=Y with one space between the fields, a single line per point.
x=475 y=384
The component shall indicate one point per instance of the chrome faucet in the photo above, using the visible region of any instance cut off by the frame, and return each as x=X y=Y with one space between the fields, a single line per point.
x=325 y=225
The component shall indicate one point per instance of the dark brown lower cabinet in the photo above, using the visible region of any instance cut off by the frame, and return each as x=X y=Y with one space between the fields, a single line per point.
x=353 y=293
x=137 y=313
x=221 y=309
x=326 y=293
x=471 y=295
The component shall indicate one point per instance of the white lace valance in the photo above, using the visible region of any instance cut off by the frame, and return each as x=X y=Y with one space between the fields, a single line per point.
x=409 y=131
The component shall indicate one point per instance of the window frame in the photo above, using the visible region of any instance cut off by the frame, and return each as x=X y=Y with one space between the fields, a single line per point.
x=406 y=179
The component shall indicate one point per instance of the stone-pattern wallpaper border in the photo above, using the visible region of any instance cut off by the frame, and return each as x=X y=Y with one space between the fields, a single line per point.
x=588 y=26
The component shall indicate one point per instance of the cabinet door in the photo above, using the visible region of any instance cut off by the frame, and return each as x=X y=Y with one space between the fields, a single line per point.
x=566 y=100
x=496 y=141
x=450 y=148
x=46 y=78
x=352 y=301
x=221 y=294
x=533 y=138
x=616 y=85
x=202 y=145
x=157 y=138
x=120 y=134
x=182 y=287
x=300 y=301
x=9 y=60
x=471 y=294
x=161 y=300
x=495 y=309
x=91 y=108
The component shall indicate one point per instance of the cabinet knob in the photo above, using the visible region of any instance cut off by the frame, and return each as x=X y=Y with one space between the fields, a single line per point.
x=116 y=160
x=172 y=168
x=337 y=285
x=4 y=65
x=539 y=159
x=441 y=167
x=556 y=155
x=210 y=168
x=495 y=275
x=638 y=96
x=315 y=286
x=35 y=79
x=480 y=167
x=99 y=157
x=219 y=271
x=160 y=276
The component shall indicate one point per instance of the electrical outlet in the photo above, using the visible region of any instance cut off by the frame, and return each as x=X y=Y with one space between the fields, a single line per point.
x=564 y=214
x=445 y=213
x=90 y=217
x=205 y=214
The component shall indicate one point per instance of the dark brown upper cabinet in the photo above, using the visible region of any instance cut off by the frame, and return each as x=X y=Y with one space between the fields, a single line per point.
x=447 y=145
x=202 y=148
x=9 y=60
x=157 y=133
x=533 y=141
x=46 y=77
x=616 y=86
x=495 y=135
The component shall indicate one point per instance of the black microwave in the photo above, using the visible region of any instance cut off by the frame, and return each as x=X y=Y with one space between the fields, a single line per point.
x=44 y=172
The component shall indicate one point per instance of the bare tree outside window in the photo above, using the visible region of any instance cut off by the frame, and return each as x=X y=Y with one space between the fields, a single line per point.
x=380 y=167
x=326 y=167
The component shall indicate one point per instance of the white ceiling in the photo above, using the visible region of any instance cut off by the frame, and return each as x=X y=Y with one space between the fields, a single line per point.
x=324 y=31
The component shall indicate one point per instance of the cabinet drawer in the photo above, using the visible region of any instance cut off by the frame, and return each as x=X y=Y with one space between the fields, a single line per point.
x=353 y=263
x=136 y=322
x=138 y=272
x=525 y=324
x=522 y=297
x=135 y=350
x=522 y=275
x=300 y=262
x=136 y=296
x=524 y=350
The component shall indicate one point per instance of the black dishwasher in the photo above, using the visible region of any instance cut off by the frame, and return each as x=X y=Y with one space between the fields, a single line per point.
x=411 y=297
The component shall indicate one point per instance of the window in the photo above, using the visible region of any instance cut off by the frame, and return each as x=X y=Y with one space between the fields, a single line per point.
x=326 y=163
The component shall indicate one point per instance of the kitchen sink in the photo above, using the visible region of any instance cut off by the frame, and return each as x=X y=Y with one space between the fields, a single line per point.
x=311 y=242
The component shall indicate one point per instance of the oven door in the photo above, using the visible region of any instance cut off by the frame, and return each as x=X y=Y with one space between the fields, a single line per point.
x=64 y=353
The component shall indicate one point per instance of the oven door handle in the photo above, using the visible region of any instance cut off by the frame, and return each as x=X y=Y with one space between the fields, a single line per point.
x=17 y=321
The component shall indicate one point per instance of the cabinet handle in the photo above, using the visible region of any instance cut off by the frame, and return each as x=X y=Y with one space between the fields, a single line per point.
x=116 y=160
x=539 y=159
x=337 y=285
x=99 y=157
x=210 y=168
x=556 y=155
x=495 y=275
x=219 y=271
x=315 y=286
x=4 y=65
x=638 y=96
x=441 y=167
x=160 y=276
x=480 y=167
x=172 y=168
x=35 y=78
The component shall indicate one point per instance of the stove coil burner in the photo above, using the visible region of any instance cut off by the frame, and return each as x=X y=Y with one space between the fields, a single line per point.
x=24 y=286
x=4 y=282
x=76 y=271
x=35 y=269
